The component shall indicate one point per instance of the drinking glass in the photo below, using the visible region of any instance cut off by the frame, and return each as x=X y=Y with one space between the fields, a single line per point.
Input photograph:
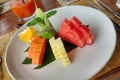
x=23 y=9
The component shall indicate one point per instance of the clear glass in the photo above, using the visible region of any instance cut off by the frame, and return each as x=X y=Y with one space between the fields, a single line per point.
x=23 y=9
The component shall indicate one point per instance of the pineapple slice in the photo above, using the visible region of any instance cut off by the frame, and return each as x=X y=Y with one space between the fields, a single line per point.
x=27 y=34
x=59 y=50
x=54 y=48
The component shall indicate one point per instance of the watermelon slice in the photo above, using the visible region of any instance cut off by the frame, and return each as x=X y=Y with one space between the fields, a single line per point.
x=71 y=34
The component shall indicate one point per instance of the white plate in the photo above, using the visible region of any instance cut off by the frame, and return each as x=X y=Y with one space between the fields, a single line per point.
x=87 y=61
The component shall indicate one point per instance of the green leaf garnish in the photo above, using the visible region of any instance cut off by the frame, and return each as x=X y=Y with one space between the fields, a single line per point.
x=34 y=21
x=27 y=61
x=51 y=13
x=68 y=46
x=27 y=49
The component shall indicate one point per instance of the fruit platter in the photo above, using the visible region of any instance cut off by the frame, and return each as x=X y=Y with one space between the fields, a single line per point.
x=60 y=43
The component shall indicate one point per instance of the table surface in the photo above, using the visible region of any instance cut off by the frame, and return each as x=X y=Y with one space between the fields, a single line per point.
x=8 y=20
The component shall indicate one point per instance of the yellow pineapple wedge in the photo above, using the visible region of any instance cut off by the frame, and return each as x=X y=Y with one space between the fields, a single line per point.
x=59 y=50
x=54 y=48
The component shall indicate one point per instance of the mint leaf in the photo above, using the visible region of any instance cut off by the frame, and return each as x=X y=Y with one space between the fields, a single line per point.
x=34 y=21
x=51 y=13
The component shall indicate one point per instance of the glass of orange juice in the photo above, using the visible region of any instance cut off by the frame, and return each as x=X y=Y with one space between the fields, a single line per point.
x=23 y=9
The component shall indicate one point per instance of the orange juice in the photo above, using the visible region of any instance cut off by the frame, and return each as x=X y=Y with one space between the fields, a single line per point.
x=23 y=10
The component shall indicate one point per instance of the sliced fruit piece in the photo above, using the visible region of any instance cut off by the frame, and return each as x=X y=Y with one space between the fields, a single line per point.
x=89 y=38
x=59 y=50
x=27 y=34
x=54 y=48
x=75 y=21
x=37 y=50
x=78 y=37
x=84 y=29
x=62 y=52
x=64 y=30
x=71 y=34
